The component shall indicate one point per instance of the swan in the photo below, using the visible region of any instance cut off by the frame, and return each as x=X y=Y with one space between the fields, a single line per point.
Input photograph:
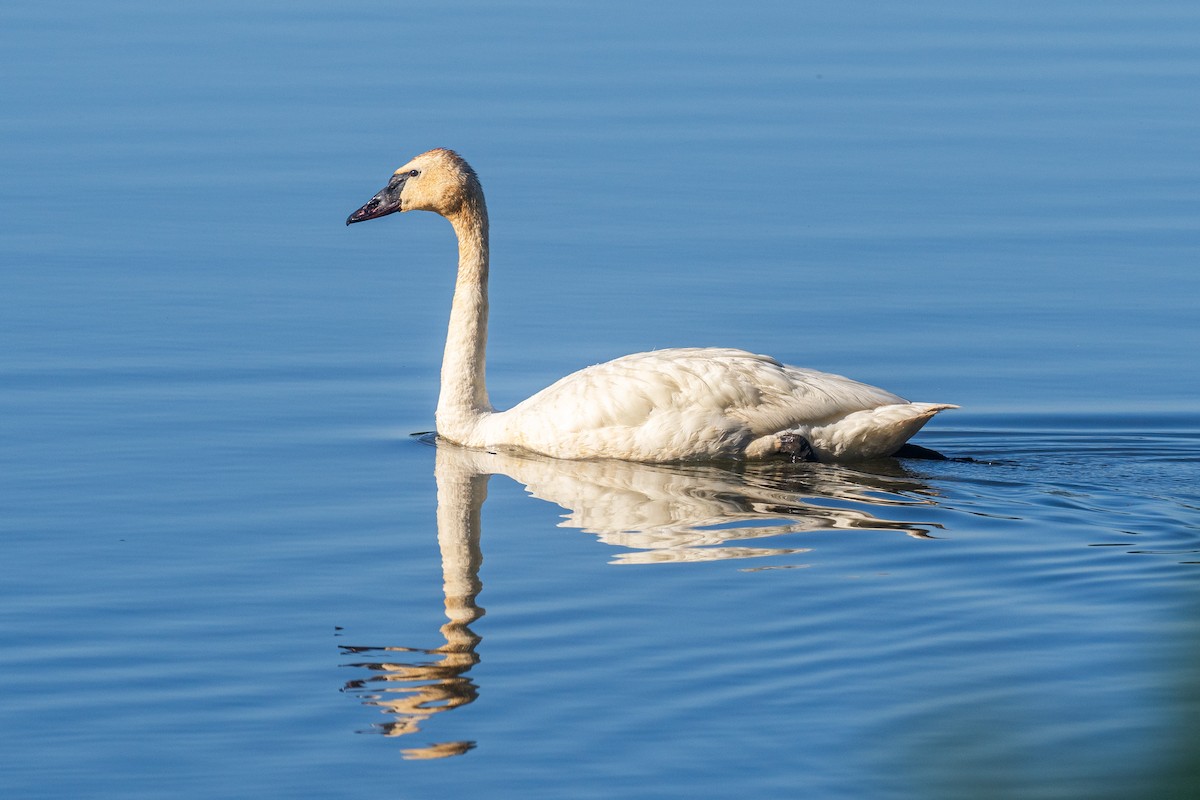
x=683 y=404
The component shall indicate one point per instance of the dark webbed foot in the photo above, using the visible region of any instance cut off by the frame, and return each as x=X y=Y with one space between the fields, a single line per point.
x=916 y=451
x=796 y=448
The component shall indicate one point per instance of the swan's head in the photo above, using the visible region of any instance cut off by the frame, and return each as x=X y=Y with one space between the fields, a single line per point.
x=439 y=181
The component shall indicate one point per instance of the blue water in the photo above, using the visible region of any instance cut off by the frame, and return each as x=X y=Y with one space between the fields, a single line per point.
x=228 y=568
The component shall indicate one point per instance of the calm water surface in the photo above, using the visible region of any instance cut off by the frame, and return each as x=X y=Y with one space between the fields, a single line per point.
x=231 y=570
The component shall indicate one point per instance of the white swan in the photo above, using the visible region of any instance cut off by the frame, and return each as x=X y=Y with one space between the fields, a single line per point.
x=686 y=404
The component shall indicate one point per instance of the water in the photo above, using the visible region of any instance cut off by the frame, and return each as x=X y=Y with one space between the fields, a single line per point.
x=228 y=565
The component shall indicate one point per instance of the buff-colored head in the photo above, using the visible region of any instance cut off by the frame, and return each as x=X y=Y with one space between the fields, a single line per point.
x=439 y=181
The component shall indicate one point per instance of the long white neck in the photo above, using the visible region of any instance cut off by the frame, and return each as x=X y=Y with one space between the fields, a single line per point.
x=464 y=399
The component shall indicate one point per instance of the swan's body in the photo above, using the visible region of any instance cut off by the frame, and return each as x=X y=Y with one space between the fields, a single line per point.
x=665 y=405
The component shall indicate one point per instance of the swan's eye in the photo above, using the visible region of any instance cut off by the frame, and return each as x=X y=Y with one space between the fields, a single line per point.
x=412 y=173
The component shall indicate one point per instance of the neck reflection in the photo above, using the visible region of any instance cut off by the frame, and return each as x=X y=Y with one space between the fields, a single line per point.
x=411 y=691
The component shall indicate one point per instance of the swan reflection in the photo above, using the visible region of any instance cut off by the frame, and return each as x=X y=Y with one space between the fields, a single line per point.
x=654 y=513
x=693 y=512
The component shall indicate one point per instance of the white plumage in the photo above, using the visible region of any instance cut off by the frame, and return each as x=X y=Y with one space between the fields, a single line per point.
x=666 y=405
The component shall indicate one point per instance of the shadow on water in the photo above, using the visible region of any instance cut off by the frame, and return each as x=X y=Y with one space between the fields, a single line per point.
x=655 y=514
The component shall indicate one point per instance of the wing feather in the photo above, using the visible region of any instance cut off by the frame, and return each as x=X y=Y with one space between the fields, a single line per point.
x=687 y=398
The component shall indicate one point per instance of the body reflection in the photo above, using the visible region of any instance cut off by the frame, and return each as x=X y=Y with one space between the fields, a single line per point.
x=654 y=513
x=695 y=512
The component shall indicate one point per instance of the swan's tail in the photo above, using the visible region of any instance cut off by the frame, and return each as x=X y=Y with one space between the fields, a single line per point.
x=874 y=433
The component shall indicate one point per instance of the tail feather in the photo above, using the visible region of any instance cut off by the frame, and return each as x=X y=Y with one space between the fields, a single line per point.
x=874 y=433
